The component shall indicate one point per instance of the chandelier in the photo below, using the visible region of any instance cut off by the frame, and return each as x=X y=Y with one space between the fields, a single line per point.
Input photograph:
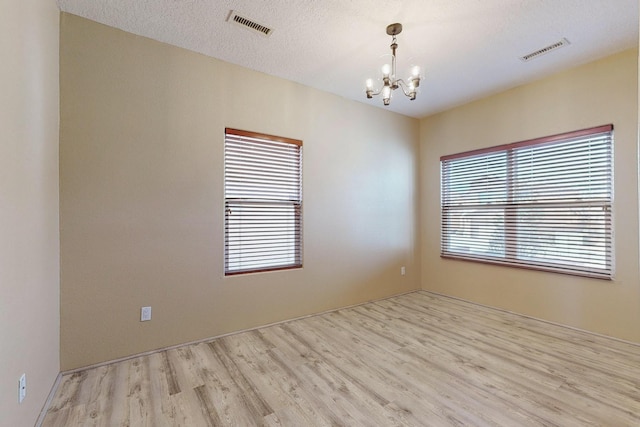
x=389 y=80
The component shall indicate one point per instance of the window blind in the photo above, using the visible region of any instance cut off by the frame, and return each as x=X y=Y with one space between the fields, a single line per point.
x=263 y=202
x=543 y=204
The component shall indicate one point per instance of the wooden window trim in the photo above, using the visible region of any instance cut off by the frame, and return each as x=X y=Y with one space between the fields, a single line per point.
x=534 y=141
x=248 y=134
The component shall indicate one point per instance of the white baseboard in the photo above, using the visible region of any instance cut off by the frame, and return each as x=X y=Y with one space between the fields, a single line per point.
x=147 y=353
x=47 y=403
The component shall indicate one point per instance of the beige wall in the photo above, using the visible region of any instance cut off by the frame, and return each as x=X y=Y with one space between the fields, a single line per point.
x=598 y=93
x=141 y=196
x=29 y=233
x=142 y=126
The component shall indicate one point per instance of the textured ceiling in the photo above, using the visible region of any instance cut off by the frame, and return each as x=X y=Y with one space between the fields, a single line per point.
x=467 y=48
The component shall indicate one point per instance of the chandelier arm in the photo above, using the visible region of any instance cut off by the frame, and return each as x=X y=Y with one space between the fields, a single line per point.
x=404 y=86
x=378 y=92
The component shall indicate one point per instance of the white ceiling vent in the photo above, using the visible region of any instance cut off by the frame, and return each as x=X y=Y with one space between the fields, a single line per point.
x=249 y=24
x=533 y=55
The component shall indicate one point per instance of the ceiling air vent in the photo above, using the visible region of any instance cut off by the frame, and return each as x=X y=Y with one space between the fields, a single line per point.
x=249 y=24
x=540 y=52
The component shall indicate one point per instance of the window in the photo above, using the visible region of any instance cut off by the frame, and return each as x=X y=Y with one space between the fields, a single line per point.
x=263 y=202
x=543 y=204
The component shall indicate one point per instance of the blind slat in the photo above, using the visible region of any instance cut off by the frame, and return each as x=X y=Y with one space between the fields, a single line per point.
x=546 y=206
x=263 y=202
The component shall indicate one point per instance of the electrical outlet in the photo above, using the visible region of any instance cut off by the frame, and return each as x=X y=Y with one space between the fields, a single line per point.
x=22 y=388
x=145 y=314
x=403 y=271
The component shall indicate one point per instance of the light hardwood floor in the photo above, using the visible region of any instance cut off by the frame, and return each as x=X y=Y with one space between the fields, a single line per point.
x=416 y=359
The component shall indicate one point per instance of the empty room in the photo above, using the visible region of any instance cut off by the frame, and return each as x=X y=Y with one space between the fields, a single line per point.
x=319 y=213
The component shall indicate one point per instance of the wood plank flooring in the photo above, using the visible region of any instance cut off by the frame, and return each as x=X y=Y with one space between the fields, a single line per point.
x=414 y=360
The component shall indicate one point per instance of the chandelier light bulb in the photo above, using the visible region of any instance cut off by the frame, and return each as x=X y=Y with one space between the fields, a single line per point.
x=386 y=95
x=389 y=81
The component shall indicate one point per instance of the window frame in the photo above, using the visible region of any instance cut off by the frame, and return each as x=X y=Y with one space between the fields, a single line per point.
x=512 y=255
x=241 y=136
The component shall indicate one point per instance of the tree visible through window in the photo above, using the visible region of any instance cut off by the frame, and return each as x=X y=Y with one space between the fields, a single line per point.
x=263 y=202
x=543 y=204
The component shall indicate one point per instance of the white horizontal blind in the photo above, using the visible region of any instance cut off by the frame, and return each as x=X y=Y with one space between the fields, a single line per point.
x=543 y=204
x=263 y=202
